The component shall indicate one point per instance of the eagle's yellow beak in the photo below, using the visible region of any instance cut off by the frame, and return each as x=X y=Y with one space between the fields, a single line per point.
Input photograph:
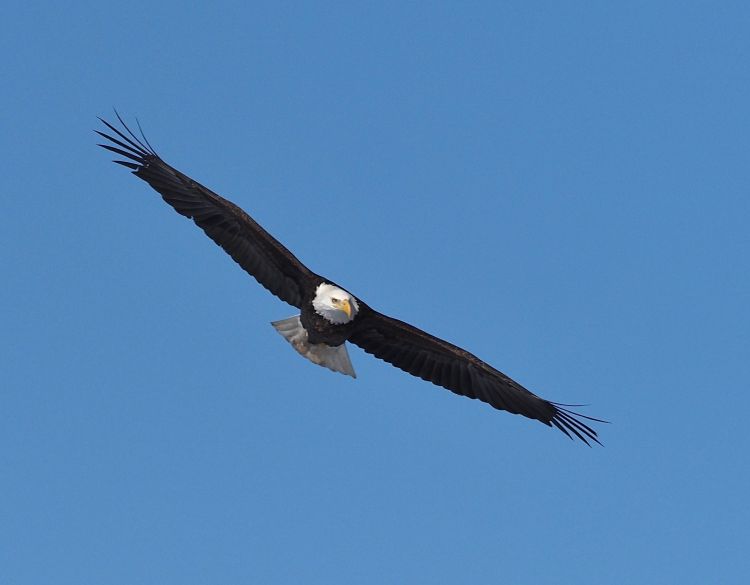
x=346 y=307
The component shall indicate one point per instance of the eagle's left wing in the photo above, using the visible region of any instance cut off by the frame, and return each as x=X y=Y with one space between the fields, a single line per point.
x=451 y=367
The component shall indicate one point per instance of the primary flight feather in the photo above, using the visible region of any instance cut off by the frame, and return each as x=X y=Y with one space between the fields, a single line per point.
x=329 y=315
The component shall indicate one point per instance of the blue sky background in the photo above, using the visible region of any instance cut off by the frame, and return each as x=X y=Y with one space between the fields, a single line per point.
x=561 y=188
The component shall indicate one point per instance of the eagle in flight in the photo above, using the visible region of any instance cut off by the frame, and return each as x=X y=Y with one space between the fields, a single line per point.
x=330 y=315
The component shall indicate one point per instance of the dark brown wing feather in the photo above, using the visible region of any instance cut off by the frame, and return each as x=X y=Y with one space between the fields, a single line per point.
x=252 y=247
x=451 y=367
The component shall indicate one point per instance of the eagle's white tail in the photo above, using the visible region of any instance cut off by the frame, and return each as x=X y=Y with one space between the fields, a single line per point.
x=333 y=358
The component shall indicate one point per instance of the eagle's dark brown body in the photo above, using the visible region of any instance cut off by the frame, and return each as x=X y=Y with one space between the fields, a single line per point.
x=320 y=330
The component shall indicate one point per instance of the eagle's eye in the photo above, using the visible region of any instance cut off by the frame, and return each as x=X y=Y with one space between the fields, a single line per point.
x=335 y=301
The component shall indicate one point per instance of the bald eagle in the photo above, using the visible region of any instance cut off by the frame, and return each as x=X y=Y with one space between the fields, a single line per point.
x=330 y=315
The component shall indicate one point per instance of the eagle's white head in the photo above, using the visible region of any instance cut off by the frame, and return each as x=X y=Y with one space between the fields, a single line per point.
x=334 y=304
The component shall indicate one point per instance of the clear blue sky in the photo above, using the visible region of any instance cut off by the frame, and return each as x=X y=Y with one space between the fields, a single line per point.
x=562 y=190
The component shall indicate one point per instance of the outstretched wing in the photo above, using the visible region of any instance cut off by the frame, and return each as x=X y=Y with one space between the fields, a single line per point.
x=252 y=247
x=451 y=367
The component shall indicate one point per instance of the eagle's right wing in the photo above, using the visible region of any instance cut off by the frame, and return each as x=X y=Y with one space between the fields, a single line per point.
x=252 y=247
